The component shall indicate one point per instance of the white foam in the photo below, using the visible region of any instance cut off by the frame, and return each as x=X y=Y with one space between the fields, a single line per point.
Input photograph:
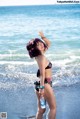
x=17 y=63
x=55 y=63
x=74 y=57
x=62 y=62
x=65 y=82
x=8 y=85
x=60 y=78
x=58 y=63
x=14 y=55
x=23 y=80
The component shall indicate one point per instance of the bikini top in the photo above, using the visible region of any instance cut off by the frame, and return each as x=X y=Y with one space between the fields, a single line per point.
x=48 y=67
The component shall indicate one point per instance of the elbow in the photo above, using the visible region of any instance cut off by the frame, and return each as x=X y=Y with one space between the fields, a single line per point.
x=48 y=44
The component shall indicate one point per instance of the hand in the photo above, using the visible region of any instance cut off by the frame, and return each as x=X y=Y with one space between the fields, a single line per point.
x=41 y=34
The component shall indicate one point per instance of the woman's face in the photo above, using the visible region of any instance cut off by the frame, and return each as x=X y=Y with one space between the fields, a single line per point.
x=40 y=46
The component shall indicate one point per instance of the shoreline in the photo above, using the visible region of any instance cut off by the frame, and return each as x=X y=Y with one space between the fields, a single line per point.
x=67 y=100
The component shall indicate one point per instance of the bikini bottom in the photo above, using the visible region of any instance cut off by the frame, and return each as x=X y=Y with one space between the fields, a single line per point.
x=37 y=83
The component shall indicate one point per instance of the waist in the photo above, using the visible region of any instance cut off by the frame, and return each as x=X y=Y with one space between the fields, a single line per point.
x=48 y=80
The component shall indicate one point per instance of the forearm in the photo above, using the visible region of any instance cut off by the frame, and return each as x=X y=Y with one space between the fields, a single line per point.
x=44 y=38
x=42 y=80
x=46 y=41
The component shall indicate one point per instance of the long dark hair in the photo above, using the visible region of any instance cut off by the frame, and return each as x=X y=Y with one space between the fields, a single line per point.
x=32 y=48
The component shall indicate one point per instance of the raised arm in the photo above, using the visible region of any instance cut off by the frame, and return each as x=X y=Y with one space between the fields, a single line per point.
x=44 y=39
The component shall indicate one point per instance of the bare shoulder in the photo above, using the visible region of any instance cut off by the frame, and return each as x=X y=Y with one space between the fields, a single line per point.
x=41 y=59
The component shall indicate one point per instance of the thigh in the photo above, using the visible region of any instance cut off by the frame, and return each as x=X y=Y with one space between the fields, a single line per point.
x=38 y=98
x=39 y=107
x=49 y=96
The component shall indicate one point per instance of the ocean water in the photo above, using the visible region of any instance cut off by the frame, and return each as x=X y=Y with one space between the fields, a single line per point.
x=61 y=24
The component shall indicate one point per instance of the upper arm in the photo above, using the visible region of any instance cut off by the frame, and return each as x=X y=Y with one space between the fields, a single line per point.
x=47 y=42
x=41 y=64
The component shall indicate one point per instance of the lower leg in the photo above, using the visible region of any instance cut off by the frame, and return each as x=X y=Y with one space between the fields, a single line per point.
x=52 y=114
x=39 y=114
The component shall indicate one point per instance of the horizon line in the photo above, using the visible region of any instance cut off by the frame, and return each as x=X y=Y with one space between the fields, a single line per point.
x=38 y=4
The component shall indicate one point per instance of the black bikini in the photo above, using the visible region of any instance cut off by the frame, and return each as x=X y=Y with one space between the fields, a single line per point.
x=47 y=80
x=48 y=67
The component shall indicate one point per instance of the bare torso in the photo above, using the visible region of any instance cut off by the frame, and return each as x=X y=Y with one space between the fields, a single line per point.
x=48 y=72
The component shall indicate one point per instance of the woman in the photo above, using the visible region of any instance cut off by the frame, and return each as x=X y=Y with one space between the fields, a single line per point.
x=36 y=49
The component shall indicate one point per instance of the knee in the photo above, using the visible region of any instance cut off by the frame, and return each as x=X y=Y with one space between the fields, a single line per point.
x=41 y=111
x=53 y=108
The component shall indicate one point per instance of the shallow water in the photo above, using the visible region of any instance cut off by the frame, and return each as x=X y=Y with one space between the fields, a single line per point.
x=23 y=103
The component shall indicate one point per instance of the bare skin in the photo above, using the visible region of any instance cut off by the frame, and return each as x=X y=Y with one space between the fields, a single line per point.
x=50 y=98
x=47 y=92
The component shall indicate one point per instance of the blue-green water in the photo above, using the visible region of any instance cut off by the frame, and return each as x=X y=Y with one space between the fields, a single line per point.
x=61 y=24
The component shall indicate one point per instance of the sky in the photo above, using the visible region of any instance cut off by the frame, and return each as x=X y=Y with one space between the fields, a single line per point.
x=26 y=2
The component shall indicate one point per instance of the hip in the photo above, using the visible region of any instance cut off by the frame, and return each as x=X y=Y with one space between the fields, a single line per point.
x=47 y=80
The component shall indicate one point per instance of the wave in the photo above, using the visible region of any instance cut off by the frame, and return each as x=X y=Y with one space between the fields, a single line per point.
x=55 y=63
x=12 y=55
x=17 y=62
x=22 y=80
x=21 y=74
x=66 y=76
x=61 y=58
x=15 y=78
